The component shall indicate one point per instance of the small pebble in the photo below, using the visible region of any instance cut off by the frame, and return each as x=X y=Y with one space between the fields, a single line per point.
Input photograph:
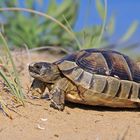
x=43 y=119
x=39 y=127
x=56 y=135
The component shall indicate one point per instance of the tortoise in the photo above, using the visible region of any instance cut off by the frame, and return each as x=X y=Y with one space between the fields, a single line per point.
x=92 y=77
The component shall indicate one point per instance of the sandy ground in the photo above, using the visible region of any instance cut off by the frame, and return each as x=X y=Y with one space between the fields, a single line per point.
x=37 y=121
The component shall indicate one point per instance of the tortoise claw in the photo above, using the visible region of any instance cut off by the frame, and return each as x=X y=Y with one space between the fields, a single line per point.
x=59 y=107
x=57 y=99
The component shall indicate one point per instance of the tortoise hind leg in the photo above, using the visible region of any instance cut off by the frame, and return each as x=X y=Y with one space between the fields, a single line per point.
x=58 y=94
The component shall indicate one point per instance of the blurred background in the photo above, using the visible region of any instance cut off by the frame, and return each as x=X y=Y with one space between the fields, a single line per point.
x=125 y=13
x=111 y=24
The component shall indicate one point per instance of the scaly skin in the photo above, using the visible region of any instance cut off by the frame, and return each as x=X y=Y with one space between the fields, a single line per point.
x=53 y=81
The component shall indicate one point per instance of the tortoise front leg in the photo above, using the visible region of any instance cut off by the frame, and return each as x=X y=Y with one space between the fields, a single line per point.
x=37 y=88
x=58 y=94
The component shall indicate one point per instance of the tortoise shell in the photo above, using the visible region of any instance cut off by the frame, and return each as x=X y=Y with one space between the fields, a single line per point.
x=113 y=78
x=102 y=62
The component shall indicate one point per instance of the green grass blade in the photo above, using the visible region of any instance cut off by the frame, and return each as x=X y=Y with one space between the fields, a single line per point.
x=18 y=87
x=76 y=39
x=7 y=81
x=111 y=25
x=103 y=25
x=100 y=8
x=4 y=108
x=131 y=30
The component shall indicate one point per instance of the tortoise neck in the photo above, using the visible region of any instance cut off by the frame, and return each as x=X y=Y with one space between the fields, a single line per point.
x=56 y=74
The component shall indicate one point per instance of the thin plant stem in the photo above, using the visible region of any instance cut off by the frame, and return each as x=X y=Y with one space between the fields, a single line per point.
x=18 y=86
x=103 y=25
x=71 y=30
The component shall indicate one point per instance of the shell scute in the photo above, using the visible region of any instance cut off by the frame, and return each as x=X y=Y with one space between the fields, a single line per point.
x=135 y=91
x=126 y=87
x=112 y=87
x=99 y=83
x=93 y=63
x=86 y=80
x=67 y=65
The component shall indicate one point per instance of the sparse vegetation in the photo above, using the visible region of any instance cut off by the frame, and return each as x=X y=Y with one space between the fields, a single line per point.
x=38 y=31
x=10 y=76
x=43 y=32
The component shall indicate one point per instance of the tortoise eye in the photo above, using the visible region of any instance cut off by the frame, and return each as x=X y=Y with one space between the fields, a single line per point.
x=37 y=66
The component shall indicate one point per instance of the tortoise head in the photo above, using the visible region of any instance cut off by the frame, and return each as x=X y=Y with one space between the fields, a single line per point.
x=46 y=72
